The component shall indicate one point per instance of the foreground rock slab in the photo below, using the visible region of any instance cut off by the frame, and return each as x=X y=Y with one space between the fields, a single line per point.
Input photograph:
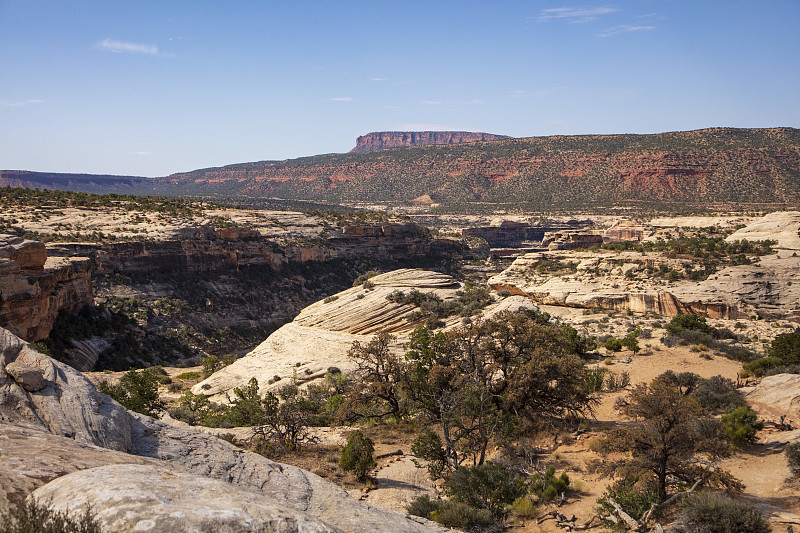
x=154 y=498
x=85 y=428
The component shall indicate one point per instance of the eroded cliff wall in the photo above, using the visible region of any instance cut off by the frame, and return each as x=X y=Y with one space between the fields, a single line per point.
x=34 y=288
x=380 y=140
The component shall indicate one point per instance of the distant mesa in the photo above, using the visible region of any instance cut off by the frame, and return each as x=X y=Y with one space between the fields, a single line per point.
x=380 y=140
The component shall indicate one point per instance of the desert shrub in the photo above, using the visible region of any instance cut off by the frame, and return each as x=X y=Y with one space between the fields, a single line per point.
x=33 y=517
x=456 y=514
x=487 y=486
x=523 y=507
x=718 y=394
x=595 y=379
x=713 y=512
x=189 y=375
x=740 y=425
x=364 y=278
x=549 y=486
x=736 y=352
x=693 y=336
x=680 y=323
x=330 y=299
x=792 y=452
x=613 y=344
x=357 y=455
x=422 y=506
x=137 y=391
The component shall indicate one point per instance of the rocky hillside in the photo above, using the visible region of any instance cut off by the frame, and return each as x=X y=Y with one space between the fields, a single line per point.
x=703 y=166
x=381 y=140
x=58 y=432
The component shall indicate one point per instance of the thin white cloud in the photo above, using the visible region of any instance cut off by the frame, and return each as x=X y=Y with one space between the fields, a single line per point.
x=377 y=79
x=574 y=14
x=20 y=103
x=342 y=99
x=616 y=30
x=431 y=102
x=122 y=47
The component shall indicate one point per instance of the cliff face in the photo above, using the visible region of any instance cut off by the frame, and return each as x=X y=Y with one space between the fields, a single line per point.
x=393 y=139
x=35 y=288
x=225 y=290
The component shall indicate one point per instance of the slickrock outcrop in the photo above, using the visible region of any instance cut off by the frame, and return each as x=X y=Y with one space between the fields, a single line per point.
x=34 y=287
x=69 y=407
x=780 y=226
x=392 y=139
x=619 y=282
x=776 y=396
x=127 y=498
x=322 y=334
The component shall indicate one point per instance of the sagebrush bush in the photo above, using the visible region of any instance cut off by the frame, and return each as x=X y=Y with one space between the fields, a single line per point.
x=455 y=514
x=713 y=512
x=741 y=425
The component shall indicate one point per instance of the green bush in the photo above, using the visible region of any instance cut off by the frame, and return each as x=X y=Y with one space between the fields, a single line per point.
x=549 y=486
x=523 y=507
x=634 y=499
x=357 y=455
x=422 y=506
x=487 y=486
x=613 y=344
x=691 y=322
x=713 y=512
x=428 y=446
x=741 y=425
x=33 y=517
x=137 y=391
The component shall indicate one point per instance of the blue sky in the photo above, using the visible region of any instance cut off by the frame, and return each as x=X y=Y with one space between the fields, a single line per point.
x=154 y=87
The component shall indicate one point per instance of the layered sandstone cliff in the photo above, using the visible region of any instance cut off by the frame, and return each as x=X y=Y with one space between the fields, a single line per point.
x=34 y=288
x=380 y=140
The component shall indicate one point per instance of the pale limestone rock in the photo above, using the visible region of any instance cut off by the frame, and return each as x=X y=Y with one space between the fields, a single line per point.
x=322 y=334
x=126 y=498
x=32 y=456
x=69 y=406
x=29 y=378
x=769 y=288
x=781 y=226
x=778 y=395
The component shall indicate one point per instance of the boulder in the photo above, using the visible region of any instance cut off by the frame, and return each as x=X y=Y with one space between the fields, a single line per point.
x=29 y=378
x=67 y=404
x=777 y=396
x=131 y=497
